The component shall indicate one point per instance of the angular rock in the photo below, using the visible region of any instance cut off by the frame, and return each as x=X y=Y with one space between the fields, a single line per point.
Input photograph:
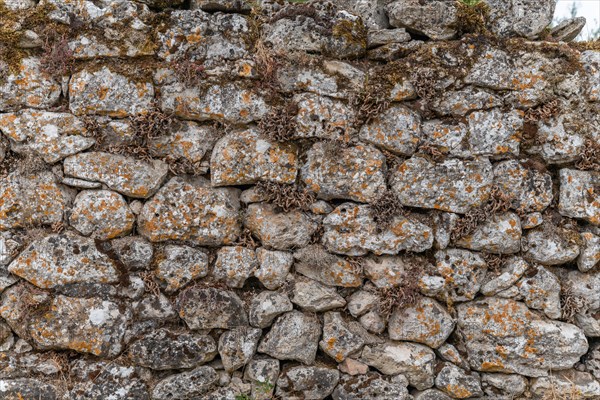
x=373 y=322
x=237 y=346
x=591 y=64
x=125 y=175
x=262 y=372
x=387 y=271
x=542 y=292
x=397 y=130
x=414 y=361
x=312 y=296
x=369 y=386
x=340 y=339
x=310 y=382
x=447 y=137
x=220 y=5
x=432 y=394
x=552 y=245
x=277 y=229
x=266 y=306
x=316 y=263
x=425 y=322
x=53 y=136
x=274 y=267
x=187 y=210
x=435 y=19
x=495 y=133
x=111 y=380
x=361 y=302
x=500 y=234
x=458 y=383
x=226 y=311
x=561 y=139
x=354 y=173
x=134 y=252
x=589 y=255
x=580 y=384
x=500 y=384
x=186 y=385
x=351 y=230
x=294 y=336
x=163 y=349
x=101 y=214
x=104 y=92
x=460 y=102
x=152 y=307
x=448 y=352
x=322 y=117
x=91 y=326
x=246 y=157
x=30 y=87
x=530 y=190
x=382 y=37
x=579 y=195
x=188 y=141
x=24 y=388
x=452 y=185
x=62 y=259
x=294 y=78
x=511 y=272
x=234 y=265
x=180 y=265
x=522 y=18
x=493 y=325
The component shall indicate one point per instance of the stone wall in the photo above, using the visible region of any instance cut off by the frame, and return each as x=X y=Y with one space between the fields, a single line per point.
x=224 y=199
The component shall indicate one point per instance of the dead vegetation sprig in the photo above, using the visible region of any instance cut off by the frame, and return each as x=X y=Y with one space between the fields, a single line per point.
x=26 y=163
x=572 y=304
x=386 y=208
x=287 y=197
x=589 y=158
x=432 y=151
x=280 y=123
x=543 y=112
x=472 y=17
x=150 y=284
x=247 y=240
x=190 y=73
x=370 y=103
x=403 y=295
x=57 y=59
x=495 y=262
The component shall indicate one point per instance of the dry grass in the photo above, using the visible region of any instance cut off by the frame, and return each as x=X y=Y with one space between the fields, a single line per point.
x=280 y=123
x=27 y=163
x=385 y=209
x=267 y=63
x=589 y=158
x=247 y=240
x=432 y=151
x=287 y=197
x=425 y=81
x=190 y=73
x=495 y=262
x=571 y=304
x=57 y=59
x=150 y=284
x=401 y=296
x=370 y=103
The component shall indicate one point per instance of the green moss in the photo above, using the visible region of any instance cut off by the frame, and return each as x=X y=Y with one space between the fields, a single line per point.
x=353 y=32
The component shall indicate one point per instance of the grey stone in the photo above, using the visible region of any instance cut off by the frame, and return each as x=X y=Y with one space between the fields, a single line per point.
x=24 y=388
x=315 y=383
x=431 y=394
x=296 y=77
x=227 y=310
x=500 y=234
x=152 y=307
x=262 y=373
x=312 y=296
x=180 y=266
x=371 y=12
x=266 y=306
x=460 y=102
x=591 y=64
x=101 y=214
x=525 y=18
x=134 y=252
x=500 y=384
x=435 y=19
x=322 y=117
x=578 y=197
x=452 y=185
x=511 y=272
x=293 y=336
x=529 y=189
x=561 y=139
x=495 y=133
x=361 y=302
x=447 y=137
x=581 y=384
x=589 y=255
x=493 y=325
x=551 y=245
x=221 y=5
x=458 y=383
x=234 y=265
x=186 y=385
x=373 y=322
x=382 y=37
x=369 y=386
x=30 y=87
x=340 y=339
x=542 y=292
x=111 y=380
x=398 y=130
x=237 y=346
x=164 y=349
x=316 y=263
x=568 y=29
x=274 y=267
x=450 y=353
x=188 y=141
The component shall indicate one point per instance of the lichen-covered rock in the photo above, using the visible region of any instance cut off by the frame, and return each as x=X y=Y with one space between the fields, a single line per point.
x=237 y=346
x=294 y=77
x=351 y=230
x=322 y=117
x=435 y=19
x=579 y=195
x=340 y=337
x=262 y=372
x=186 y=385
x=274 y=267
x=589 y=256
x=500 y=234
x=354 y=173
x=26 y=388
x=188 y=140
x=447 y=137
x=234 y=265
x=101 y=214
x=492 y=326
x=510 y=273
x=591 y=64
x=550 y=245
x=128 y=176
x=458 y=383
x=152 y=307
x=311 y=295
x=460 y=102
x=294 y=336
x=425 y=322
x=111 y=380
x=361 y=302
x=529 y=189
x=104 y=92
x=30 y=87
x=452 y=185
x=226 y=311
x=134 y=252
x=316 y=263
x=310 y=382
x=542 y=292
x=180 y=265
x=414 y=361
x=221 y=5
x=522 y=18
x=91 y=326
x=561 y=139
x=266 y=306
x=163 y=349
x=61 y=259
x=186 y=209
x=495 y=384
x=53 y=136
x=398 y=130
x=581 y=384
x=246 y=157
x=277 y=229
x=495 y=133
x=369 y=386
x=387 y=271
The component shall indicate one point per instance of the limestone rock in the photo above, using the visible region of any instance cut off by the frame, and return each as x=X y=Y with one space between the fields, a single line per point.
x=591 y=64
x=152 y=307
x=127 y=176
x=112 y=379
x=579 y=196
x=495 y=133
x=447 y=137
x=529 y=189
x=340 y=338
x=227 y=310
x=458 y=383
x=552 y=245
x=435 y=19
x=101 y=214
x=237 y=346
x=234 y=265
x=262 y=372
x=522 y=18
x=542 y=292
x=561 y=138
x=188 y=141
x=266 y=306
x=361 y=302
x=25 y=388
x=589 y=255
x=311 y=382
x=185 y=209
x=322 y=117
x=312 y=296
x=500 y=234
x=511 y=272
x=273 y=267
x=220 y=5
x=181 y=265
x=499 y=384
x=582 y=384
x=493 y=325
x=186 y=385
x=460 y=102
x=398 y=130
x=369 y=386
x=134 y=252
x=387 y=271
x=30 y=87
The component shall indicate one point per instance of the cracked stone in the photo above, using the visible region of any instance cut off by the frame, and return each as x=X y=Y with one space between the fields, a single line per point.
x=500 y=234
x=227 y=310
x=398 y=130
x=101 y=214
x=266 y=306
x=237 y=346
x=180 y=266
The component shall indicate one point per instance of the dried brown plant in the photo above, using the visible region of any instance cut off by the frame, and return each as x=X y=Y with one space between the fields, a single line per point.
x=286 y=197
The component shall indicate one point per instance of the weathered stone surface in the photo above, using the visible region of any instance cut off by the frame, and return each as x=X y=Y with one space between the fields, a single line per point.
x=529 y=189
x=164 y=349
x=495 y=133
x=104 y=92
x=382 y=37
x=450 y=353
x=312 y=296
x=246 y=157
x=180 y=265
x=226 y=311
x=398 y=130
x=425 y=322
x=581 y=384
x=111 y=380
x=432 y=394
x=92 y=326
x=499 y=234
x=452 y=185
x=189 y=141
x=361 y=302
x=277 y=229
x=579 y=195
x=220 y=5
x=310 y=382
x=542 y=292
x=134 y=252
x=101 y=214
x=521 y=18
x=492 y=326
x=322 y=117
x=511 y=272
x=414 y=361
x=387 y=271
x=591 y=64
x=294 y=336
x=152 y=307
x=185 y=209
x=500 y=384
x=274 y=267
x=458 y=383
x=234 y=265
x=550 y=245
x=340 y=339
x=186 y=385
x=266 y=306
x=316 y=263
x=30 y=200
x=435 y=19
x=24 y=388
x=61 y=259
x=125 y=175
x=262 y=372
x=354 y=173
x=53 y=136
x=237 y=346
x=351 y=230
x=296 y=77
x=30 y=87
x=561 y=139
x=447 y=137
x=589 y=255
x=460 y=102
x=368 y=386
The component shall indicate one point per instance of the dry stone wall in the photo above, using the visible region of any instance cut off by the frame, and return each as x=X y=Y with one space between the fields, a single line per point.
x=225 y=199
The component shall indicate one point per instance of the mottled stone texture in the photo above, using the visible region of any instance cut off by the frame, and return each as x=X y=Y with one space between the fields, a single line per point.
x=250 y=200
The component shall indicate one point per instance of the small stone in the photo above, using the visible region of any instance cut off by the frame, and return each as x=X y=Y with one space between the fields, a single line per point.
x=579 y=195
x=512 y=270
x=186 y=385
x=561 y=139
x=188 y=141
x=246 y=157
x=294 y=336
x=447 y=137
x=458 y=383
x=29 y=87
x=414 y=361
x=226 y=311
x=277 y=229
x=263 y=373
x=523 y=18
x=134 y=252
x=591 y=64
x=354 y=173
x=62 y=259
x=220 y=5
x=340 y=339
x=397 y=130
x=542 y=292
x=17 y=301
x=152 y=307
x=381 y=37
x=187 y=210
x=531 y=220
x=589 y=255
x=500 y=384
x=111 y=380
x=352 y=367
x=369 y=386
x=180 y=266
x=580 y=384
x=361 y=302
x=452 y=185
x=266 y=306
x=373 y=322
x=495 y=133
x=164 y=350
x=101 y=214
x=460 y=102
x=552 y=245
x=500 y=234
x=425 y=322
x=25 y=388
x=322 y=117
x=432 y=394
x=529 y=189
x=448 y=352
x=302 y=78
x=104 y=92
x=237 y=346
x=234 y=265
x=274 y=267
x=435 y=19
x=316 y=263
x=312 y=296
x=125 y=175
x=311 y=382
